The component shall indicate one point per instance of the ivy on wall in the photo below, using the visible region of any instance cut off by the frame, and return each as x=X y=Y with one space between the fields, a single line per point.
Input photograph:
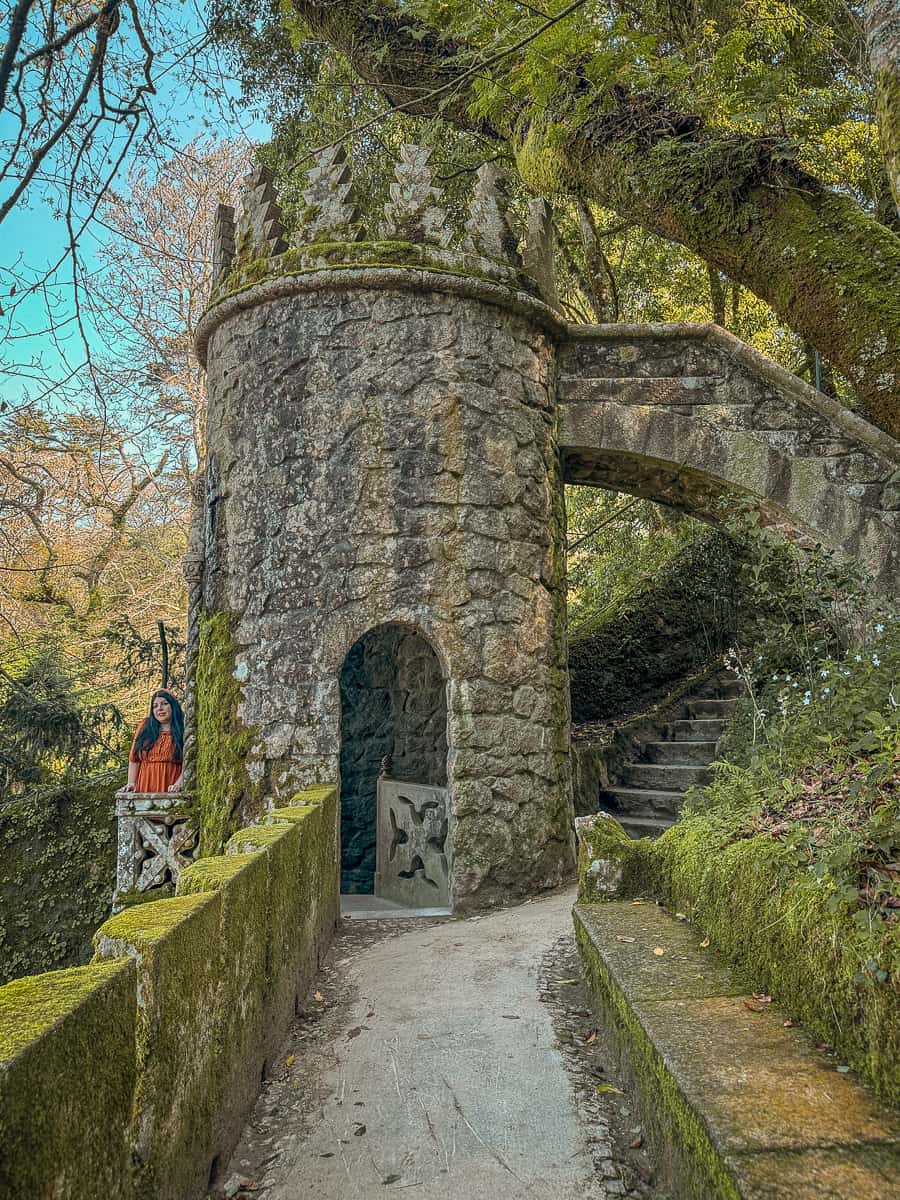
x=57 y=874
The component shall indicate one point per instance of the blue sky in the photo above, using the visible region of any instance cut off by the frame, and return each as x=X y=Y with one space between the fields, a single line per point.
x=31 y=237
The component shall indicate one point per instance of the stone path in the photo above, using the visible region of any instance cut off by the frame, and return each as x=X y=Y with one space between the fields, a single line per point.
x=456 y=1058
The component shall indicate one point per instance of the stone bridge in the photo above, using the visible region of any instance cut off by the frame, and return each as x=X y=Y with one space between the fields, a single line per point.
x=686 y=414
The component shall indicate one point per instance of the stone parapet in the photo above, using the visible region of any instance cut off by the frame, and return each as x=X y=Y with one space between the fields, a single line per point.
x=132 y=1077
x=738 y=1104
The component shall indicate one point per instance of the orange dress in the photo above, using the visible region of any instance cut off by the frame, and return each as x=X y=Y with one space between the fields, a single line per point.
x=158 y=769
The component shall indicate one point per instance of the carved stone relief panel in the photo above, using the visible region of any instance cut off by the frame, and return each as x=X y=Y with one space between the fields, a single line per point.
x=156 y=841
x=411 y=854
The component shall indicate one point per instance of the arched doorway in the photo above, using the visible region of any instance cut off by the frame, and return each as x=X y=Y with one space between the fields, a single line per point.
x=394 y=726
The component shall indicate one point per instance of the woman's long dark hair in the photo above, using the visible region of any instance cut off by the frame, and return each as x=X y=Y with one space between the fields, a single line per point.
x=146 y=739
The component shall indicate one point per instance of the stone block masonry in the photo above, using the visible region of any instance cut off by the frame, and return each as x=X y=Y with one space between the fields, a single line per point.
x=391 y=422
x=740 y=1105
x=388 y=457
x=132 y=1077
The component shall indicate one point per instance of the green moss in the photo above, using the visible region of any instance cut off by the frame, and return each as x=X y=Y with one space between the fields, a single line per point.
x=180 y=1089
x=610 y=863
x=543 y=158
x=67 y=1074
x=31 y=1006
x=225 y=747
x=57 y=868
x=293 y=814
x=773 y=921
x=247 y=270
x=257 y=837
x=245 y=1020
x=210 y=874
x=316 y=793
x=142 y=927
x=691 y=1157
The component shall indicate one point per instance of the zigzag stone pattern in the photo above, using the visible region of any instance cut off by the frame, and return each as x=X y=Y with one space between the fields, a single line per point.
x=332 y=214
x=260 y=224
x=223 y=243
x=414 y=212
x=488 y=229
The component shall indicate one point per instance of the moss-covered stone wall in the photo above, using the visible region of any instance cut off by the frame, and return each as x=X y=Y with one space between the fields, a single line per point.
x=57 y=871
x=663 y=632
x=775 y=925
x=67 y=1074
x=227 y=786
x=132 y=1077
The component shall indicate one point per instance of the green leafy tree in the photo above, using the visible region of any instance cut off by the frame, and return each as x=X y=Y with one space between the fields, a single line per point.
x=49 y=729
x=742 y=132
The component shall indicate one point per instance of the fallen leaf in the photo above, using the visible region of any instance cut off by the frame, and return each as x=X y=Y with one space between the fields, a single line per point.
x=290 y=1060
x=704 y=943
x=608 y=1087
x=318 y=996
x=658 y=951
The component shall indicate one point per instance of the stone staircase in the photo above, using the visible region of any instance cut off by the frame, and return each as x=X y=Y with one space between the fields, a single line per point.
x=648 y=795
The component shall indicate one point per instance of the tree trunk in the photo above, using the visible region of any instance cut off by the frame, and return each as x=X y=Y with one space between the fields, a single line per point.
x=882 y=20
x=716 y=295
x=742 y=204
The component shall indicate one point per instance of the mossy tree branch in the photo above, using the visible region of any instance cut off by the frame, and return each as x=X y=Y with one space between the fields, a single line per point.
x=742 y=203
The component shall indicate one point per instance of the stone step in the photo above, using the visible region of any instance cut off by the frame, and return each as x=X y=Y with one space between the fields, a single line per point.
x=719 y=689
x=667 y=777
x=643 y=802
x=704 y=729
x=713 y=1068
x=722 y=709
x=680 y=752
x=641 y=827
x=733 y=689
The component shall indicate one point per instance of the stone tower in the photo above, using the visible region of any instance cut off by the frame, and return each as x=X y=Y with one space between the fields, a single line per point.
x=379 y=573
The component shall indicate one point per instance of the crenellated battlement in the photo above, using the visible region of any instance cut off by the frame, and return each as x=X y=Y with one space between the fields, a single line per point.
x=413 y=231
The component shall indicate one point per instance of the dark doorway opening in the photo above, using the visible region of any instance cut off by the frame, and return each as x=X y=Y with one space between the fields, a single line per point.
x=394 y=706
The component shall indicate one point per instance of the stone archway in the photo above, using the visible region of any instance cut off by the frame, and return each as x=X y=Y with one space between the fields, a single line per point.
x=393 y=707
x=686 y=415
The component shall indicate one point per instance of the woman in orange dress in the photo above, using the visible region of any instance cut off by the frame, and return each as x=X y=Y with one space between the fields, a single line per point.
x=155 y=762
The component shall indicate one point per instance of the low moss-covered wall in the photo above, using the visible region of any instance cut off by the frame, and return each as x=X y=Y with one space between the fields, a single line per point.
x=67 y=1075
x=773 y=923
x=691 y=1158
x=57 y=867
x=212 y=979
